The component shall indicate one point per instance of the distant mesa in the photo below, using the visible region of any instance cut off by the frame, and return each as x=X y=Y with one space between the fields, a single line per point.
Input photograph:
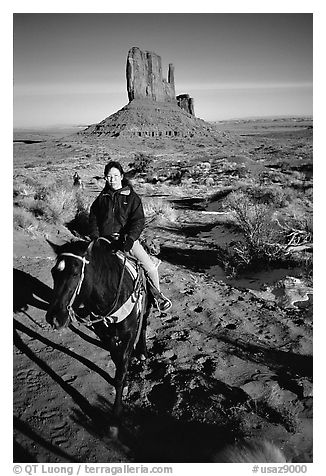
x=153 y=109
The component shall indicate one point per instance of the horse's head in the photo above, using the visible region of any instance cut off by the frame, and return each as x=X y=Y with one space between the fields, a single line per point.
x=68 y=273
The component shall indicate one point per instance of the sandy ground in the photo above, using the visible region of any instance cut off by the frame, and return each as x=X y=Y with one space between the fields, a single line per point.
x=224 y=364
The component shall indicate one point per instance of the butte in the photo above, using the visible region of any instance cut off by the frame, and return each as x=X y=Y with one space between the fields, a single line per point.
x=153 y=109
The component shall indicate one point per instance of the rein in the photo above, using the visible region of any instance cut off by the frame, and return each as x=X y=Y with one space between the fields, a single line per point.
x=71 y=312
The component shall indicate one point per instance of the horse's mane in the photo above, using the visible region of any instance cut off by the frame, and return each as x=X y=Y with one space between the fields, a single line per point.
x=75 y=247
x=107 y=264
x=108 y=271
x=106 y=259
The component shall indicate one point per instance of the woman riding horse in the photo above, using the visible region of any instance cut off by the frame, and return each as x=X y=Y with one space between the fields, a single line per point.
x=91 y=277
x=117 y=214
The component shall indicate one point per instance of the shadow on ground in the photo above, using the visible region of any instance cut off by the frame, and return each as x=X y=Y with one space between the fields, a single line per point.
x=21 y=455
x=146 y=436
x=18 y=326
x=28 y=290
x=190 y=203
x=194 y=259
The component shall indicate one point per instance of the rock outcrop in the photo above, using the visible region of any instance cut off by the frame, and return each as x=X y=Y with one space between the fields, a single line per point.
x=186 y=103
x=144 y=77
x=148 y=118
x=153 y=109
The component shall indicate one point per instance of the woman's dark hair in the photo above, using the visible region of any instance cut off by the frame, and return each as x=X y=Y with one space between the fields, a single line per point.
x=112 y=164
x=118 y=166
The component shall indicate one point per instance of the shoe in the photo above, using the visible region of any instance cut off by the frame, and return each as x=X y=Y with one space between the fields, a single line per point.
x=165 y=304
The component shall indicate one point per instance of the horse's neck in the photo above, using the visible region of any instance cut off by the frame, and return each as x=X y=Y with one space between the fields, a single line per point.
x=103 y=277
x=102 y=290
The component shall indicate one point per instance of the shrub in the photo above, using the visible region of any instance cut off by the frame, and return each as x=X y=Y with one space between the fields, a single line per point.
x=260 y=237
x=268 y=237
x=142 y=162
x=59 y=206
x=24 y=187
x=23 y=219
x=156 y=208
x=274 y=196
x=55 y=202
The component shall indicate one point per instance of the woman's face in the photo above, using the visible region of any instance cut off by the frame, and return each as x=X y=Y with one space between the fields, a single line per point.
x=114 y=178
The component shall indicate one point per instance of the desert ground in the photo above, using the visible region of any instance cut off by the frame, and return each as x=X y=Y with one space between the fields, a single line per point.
x=232 y=359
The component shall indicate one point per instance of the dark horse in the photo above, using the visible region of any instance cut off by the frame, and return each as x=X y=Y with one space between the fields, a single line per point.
x=116 y=301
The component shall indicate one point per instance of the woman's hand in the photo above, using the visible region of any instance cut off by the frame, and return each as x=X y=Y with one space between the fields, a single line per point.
x=125 y=244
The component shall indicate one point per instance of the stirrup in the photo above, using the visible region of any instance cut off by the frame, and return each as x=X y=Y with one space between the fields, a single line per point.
x=164 y=305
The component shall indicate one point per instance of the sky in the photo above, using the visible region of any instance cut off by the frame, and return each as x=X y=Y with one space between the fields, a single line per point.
x=70 y=68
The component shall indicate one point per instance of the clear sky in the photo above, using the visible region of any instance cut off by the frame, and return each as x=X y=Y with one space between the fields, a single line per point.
x=70 y=68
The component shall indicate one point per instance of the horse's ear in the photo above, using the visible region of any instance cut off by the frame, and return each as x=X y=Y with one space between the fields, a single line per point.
x=56 y=248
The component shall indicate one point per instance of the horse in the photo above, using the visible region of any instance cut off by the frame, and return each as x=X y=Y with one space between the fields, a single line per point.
x=115 y=300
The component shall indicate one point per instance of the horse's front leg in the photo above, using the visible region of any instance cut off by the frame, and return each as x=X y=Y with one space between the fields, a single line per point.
x=121 y=356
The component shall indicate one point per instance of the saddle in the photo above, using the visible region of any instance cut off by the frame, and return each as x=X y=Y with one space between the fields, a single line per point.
x=137 y=274
x=131 y=264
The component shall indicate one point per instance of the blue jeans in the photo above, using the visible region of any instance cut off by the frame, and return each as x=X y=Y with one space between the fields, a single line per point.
x=148 y=264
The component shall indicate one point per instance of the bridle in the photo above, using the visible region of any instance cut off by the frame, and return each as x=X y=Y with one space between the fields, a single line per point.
x=70 y=310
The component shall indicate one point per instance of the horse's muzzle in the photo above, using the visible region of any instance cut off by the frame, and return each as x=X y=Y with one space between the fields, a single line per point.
x=57 y=320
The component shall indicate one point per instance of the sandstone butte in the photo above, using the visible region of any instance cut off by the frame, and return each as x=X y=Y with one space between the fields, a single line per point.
x=153 y=109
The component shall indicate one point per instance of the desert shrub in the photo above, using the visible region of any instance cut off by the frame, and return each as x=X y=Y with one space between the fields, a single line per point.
x=274 y=196
x=156 y=208
x=54 y=202
x=24 y=186
x=59 y=206
x=142 y=162
x=268 y=237
x=260 y=238
x=23 y=219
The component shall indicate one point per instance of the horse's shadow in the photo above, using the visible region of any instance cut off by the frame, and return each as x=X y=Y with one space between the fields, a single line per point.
x=28 y=290
x=147 y=436
x=166 y=439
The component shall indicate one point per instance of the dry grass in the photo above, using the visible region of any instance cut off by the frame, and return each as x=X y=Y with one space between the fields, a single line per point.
x=25 y=220
x=52 y=202
x=159 y=209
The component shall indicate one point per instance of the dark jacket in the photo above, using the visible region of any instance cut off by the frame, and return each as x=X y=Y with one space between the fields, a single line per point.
x=119 y=211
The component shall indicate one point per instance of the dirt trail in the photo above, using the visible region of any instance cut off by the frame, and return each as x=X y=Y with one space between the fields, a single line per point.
x=222 y=363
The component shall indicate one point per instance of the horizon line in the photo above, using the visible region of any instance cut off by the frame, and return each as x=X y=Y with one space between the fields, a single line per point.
x=266 y=116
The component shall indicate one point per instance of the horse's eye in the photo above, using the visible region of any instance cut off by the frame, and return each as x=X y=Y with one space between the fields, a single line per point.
x=61 y=265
